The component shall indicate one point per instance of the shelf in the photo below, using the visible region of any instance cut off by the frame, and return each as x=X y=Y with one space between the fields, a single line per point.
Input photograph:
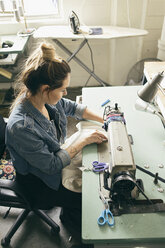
x=10 y=60
x=19 y=44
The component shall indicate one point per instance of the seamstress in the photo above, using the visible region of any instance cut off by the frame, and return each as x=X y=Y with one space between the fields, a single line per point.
x=37 y=128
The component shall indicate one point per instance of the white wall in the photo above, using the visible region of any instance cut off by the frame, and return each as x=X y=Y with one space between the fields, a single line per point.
x=153 y=23
x=112 y=67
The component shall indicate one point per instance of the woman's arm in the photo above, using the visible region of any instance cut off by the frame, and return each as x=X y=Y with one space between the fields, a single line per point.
x=89 y=115
x=86 y=138
x=94 y=136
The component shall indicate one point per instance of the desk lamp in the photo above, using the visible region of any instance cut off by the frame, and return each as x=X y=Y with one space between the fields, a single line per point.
x=149 y=90
x=146 y=96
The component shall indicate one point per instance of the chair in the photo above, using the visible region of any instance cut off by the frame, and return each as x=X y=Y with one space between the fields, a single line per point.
x=12 y=195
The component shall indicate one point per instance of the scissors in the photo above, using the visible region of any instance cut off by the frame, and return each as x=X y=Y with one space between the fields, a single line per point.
x=98 y=167
x=106 y=215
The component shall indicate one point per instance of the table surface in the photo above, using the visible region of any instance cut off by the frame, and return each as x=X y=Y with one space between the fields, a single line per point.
x=149 y=148
x=109 y=32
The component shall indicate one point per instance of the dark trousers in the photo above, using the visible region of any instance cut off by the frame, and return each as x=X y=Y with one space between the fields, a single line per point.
x=40 y=194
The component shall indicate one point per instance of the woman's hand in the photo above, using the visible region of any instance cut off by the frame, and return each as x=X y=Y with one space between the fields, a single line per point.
x=94 y=137
x=86 y=138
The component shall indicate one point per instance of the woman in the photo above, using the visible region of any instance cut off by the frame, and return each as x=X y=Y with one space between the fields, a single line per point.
x=37 y=128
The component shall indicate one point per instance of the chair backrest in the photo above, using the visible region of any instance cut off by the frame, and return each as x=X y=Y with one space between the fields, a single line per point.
x=2 y=136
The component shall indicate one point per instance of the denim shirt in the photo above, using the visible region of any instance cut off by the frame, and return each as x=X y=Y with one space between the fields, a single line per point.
x=33 y=141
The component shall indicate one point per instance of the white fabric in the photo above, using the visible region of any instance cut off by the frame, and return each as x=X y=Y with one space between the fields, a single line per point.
x=72 y=175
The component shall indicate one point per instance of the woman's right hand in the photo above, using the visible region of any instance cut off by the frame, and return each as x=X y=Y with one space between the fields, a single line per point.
x=94 y=136
x=85 y=138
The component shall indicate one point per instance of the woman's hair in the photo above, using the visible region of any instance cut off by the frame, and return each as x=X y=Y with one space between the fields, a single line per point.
x=43 y=67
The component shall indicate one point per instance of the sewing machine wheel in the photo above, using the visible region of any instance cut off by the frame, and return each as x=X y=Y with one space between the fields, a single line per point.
x=123 y=183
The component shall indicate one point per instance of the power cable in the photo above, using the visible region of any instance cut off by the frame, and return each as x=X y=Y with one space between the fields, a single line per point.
x=92 y=60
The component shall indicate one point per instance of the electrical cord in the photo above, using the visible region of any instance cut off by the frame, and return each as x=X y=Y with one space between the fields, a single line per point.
x=90 y=49
x=151 y=174
x=92 y=60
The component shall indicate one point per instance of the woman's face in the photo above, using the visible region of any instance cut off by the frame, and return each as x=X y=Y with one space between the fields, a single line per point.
x=54 y=96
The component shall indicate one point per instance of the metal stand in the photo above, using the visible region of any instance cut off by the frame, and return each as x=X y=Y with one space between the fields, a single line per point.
x=73 y=56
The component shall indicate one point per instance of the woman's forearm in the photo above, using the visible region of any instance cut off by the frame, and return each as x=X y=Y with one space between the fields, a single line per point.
x=93 y=137
x=75 y=148
x=86 y=138
x=89 y=115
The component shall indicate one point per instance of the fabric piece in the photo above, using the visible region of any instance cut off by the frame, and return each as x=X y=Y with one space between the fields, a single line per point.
x=72 y=175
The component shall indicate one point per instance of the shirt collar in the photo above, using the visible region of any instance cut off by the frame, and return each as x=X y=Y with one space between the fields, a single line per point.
x=36 y=114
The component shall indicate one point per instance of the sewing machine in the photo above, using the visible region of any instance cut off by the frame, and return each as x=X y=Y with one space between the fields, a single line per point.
x=120 y=179
x=122 y=166
x=146 y=133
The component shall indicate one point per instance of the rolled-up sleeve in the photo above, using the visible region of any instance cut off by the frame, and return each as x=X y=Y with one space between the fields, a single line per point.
x=79 y=111
x=71 y=108
x=64 y=156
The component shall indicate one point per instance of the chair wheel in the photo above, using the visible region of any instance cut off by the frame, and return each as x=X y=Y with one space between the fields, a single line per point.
x=5 y=242
x=55 y=231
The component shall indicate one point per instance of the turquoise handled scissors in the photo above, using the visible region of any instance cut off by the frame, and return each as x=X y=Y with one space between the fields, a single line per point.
x=106 y=215
x=98 y=167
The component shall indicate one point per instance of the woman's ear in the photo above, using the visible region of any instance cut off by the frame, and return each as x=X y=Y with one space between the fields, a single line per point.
x=45 y=88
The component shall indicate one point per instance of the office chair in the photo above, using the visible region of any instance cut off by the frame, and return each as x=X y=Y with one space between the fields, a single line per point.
x=12 y=195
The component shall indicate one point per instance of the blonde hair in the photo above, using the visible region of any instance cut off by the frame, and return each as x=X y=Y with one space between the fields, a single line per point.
x=43 y=67
x=45 y=52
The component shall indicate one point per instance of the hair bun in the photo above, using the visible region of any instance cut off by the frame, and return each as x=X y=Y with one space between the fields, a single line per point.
x=49 y=53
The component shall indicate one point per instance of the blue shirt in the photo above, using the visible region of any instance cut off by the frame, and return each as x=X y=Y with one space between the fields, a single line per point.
x=34 y=141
